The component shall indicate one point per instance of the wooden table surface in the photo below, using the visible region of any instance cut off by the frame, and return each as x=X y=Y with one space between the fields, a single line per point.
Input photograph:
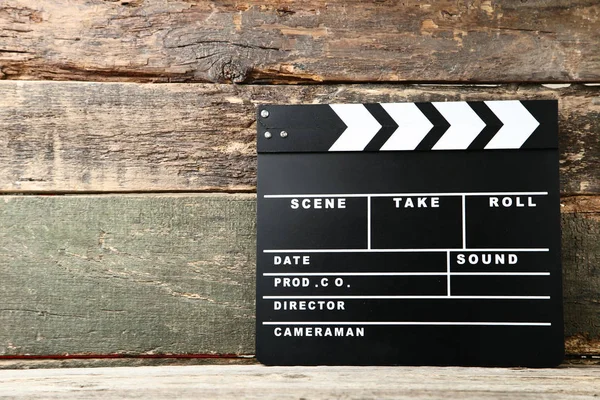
x=260 y=382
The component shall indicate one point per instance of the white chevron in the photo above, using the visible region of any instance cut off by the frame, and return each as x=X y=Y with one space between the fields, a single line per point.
x=361 y=127
x=413 y=126
x=465 y=125
x=519 y=124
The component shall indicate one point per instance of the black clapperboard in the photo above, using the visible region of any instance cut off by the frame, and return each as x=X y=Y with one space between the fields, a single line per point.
x=409 y=234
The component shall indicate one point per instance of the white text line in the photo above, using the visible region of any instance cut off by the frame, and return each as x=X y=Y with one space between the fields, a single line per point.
x=406 y=274
x=289 y=196
x=404 y=323
x=401 y=250
x=379 y=297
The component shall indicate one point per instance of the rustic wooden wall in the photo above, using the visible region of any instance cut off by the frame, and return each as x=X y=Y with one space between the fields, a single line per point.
x=127 y=214
x=302 y=41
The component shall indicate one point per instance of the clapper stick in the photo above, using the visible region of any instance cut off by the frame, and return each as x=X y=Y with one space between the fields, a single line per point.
x=409 y=233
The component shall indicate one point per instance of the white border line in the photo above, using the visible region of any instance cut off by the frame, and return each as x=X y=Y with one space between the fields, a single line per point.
x=401 y=250
x=464 y=223
x=405 y=323
x=394 y=297
x=289 y=196
x=355 y=274
x=406 y=273
x=369 y=222
x=448 y=291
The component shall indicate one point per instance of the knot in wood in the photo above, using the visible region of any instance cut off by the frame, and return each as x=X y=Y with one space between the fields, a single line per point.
x=233 y=71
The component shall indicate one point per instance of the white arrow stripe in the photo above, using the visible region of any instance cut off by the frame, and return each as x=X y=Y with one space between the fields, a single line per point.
x=413 y=126
x=519 y=124
x=361 y=127
x=465 y=125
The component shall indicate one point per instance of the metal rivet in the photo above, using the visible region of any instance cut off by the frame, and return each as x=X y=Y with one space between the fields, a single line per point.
x=264 y=113
x=268 y=135
x=283 y=134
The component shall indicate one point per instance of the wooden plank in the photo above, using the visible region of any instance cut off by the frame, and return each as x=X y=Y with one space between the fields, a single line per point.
x=127 y=274
x=259 y=382
x=175 y=274
x=39 y=362
x=581 y=273
x=96 y=137
x=284 y=41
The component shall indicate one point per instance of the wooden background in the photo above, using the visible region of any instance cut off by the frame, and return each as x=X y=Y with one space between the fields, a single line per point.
x=128 y=158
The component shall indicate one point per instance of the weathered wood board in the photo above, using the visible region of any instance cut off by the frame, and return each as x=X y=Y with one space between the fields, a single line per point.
x=264 y=383
x=98 y=137
x=581 y=283
x=78 y=361
x=315 y=41
x=175 y=274
x=127 y=274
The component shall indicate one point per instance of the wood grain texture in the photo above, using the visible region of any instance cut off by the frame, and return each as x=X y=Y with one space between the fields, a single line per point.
x=123 y=137
x=38 y=362
x=175 y=274
x=127 y=274
x=581 y=273
x=286 y=41
x=263 y=383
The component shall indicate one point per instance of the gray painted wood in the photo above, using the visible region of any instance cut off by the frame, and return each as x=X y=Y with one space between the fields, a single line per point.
x=98 y=137
x=308 y=41
x=175 y=274
x=258 y=382
x=127 y=274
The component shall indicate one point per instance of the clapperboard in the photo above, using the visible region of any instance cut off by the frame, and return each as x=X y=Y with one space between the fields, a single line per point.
x=409 y=233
